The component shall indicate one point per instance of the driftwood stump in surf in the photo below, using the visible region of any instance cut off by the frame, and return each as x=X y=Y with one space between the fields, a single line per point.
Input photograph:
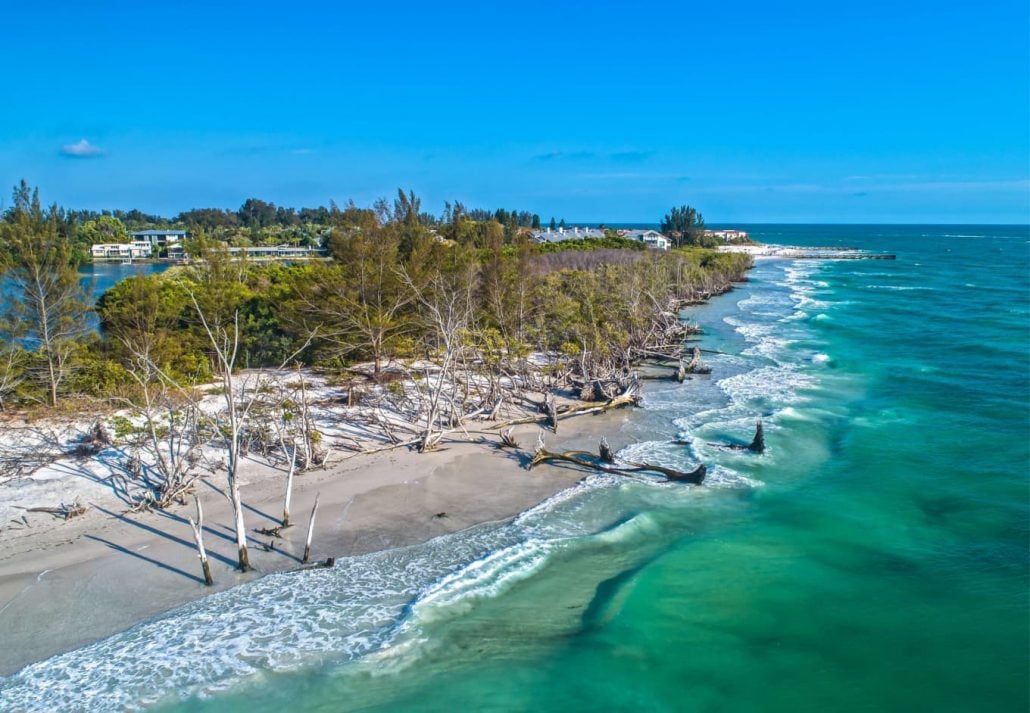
x=757 y=444
x=696 y=366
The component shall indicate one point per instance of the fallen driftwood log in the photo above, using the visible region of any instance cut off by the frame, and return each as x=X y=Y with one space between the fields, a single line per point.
x=629 y=397
x=585 y=459
x=757 y=444
x=673 y=353
x=680 y=368
x=327 y=563
x=678 y=375
x=392 y=446
x=271 y=531
x=65 y=512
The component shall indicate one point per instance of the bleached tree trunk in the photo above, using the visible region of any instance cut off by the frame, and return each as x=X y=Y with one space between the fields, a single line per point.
x=198 y=536
x=305 y=424
x=226 y=347
x=226 y=343
x=311 y=530
x=289 y=488
x=233 y=445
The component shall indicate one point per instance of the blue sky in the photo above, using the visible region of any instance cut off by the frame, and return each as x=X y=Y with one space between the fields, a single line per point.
x=595 y=111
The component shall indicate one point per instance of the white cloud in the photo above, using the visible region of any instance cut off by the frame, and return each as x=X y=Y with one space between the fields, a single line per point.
x=81 y=149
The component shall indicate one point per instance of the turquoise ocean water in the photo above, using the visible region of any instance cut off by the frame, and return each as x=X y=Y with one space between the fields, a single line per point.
x=875 y=558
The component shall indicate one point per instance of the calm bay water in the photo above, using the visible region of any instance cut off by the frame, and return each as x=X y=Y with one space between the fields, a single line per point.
x=875 y=558
x=99 y=277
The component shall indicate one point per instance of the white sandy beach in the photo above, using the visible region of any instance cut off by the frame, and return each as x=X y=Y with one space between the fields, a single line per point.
x=104 y=571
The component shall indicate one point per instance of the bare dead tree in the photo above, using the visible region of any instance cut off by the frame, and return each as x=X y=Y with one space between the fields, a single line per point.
x=295 y=431
x=198 y=536
x=289 y=488
x=171 y=434
x=226 y=344
x=311 y=530
x=446 y=304
x=224 y=339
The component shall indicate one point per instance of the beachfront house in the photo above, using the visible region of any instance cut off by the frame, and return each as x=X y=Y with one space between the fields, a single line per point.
x=728 y=236
x=562 y=234
x=651 y=238
x=121 y=251
x=159 y=238
x=261 y=252
x=279 y=252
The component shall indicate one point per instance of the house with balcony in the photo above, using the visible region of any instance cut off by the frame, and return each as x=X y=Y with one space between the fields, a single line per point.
x=121 y=251
x=159 y=238
x=651 y=238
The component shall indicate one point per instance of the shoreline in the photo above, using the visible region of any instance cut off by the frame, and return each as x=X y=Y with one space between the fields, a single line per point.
x=105 y=572
x=762 y=251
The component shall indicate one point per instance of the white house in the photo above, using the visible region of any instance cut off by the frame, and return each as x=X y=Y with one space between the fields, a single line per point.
x=122 y=251
x=160 y=238
x=651 y=238
x=278 y=251
x=728 y=236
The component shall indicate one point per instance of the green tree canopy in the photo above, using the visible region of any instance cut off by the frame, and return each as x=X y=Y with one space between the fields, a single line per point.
x=105 y=229
x=685 y=225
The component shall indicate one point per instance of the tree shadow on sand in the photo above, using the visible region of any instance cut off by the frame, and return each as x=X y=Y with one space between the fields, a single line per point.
x=145 y=558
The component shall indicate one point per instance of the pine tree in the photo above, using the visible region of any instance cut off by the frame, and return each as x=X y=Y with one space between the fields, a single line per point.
x=46 y=296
